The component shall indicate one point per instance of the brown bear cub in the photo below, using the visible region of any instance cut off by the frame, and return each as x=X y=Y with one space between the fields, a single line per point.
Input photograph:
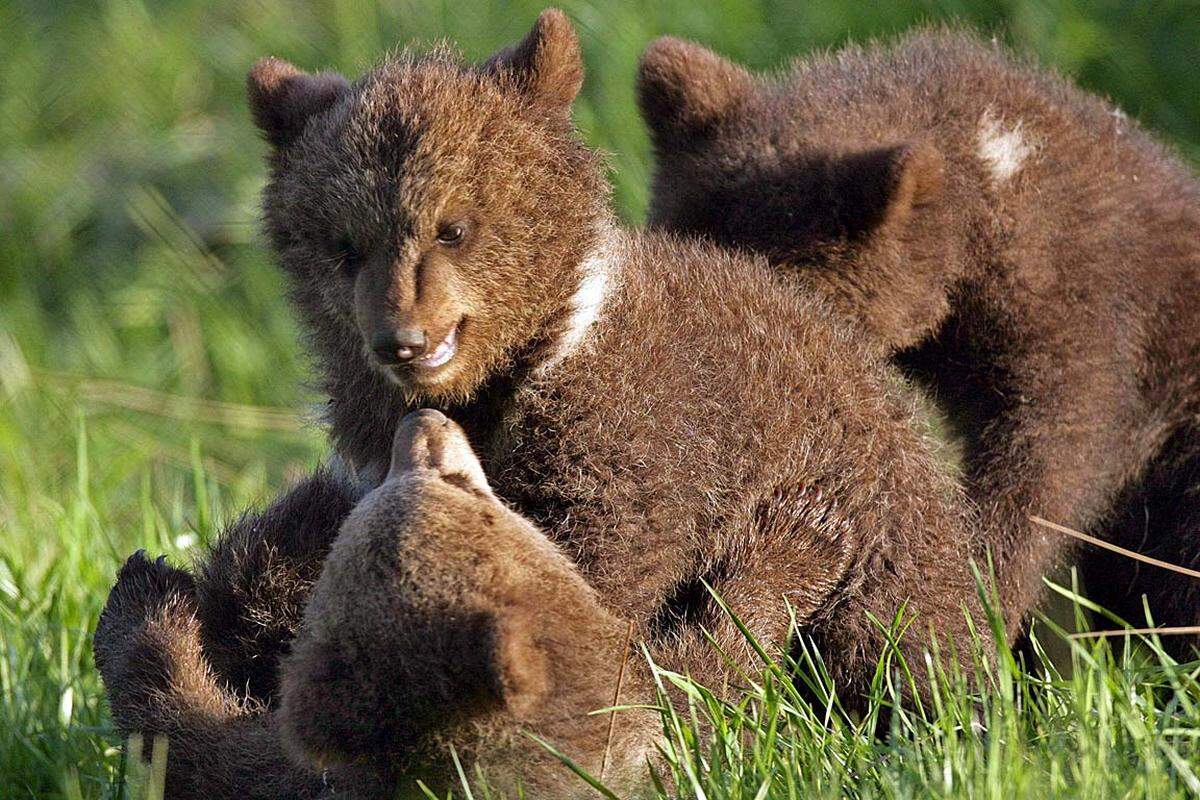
x=1023 y=248
x=658 y=414
x=441 y=619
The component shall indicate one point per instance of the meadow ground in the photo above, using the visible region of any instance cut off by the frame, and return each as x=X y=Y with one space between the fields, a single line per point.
x=151 y=382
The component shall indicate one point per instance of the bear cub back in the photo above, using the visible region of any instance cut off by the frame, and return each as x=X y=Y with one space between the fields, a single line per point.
x=1020 y=247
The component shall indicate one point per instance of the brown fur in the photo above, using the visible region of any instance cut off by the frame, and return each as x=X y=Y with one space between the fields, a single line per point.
x=712 y=426
x=492 y=627
x=150 y=650
x=252 y=587
x=1053 y=310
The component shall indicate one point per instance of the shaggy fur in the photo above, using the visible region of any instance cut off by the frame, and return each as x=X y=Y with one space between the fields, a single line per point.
x=493 y=627
x=1023 y=248
x=661 y=413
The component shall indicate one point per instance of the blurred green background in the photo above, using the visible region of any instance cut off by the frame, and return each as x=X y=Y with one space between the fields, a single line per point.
x=151 y=381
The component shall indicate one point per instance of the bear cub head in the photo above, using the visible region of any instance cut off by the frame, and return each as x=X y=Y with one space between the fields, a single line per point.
x=766 y=164
x=813 y=170
x=435 y=218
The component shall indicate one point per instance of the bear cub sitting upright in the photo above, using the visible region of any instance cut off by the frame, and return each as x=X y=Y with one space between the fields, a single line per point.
x=654 y=416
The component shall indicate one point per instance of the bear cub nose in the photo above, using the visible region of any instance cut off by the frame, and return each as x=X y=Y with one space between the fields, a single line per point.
x=398 y=347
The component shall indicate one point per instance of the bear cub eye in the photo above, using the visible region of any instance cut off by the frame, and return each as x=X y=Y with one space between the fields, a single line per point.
x=452 y=234
x=348 y=256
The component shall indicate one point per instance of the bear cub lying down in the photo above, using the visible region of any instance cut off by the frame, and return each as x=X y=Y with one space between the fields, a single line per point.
x=656 y=414
x=441 y=616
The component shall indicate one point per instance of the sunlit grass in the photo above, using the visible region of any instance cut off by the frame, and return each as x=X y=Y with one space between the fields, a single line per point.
x=1103 y=723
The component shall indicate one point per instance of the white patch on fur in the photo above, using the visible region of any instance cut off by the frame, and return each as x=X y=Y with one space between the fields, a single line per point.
x=1004 y=150
x=599 y=276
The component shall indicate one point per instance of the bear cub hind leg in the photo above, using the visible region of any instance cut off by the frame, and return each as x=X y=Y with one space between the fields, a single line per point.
x=444 y=618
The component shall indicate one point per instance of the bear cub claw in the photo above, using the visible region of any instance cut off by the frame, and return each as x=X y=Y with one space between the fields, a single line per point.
x=144 y=590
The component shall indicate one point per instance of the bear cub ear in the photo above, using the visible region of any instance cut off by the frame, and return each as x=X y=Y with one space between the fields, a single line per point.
x=883 y=187
x=684 y=89
x=283 y=98
x=547 y=63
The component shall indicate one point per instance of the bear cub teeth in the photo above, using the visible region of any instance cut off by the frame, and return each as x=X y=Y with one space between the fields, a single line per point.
x=441 y=354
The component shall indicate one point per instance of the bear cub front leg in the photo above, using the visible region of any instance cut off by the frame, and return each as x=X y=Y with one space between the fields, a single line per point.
x=149 y=650
x=442 y=618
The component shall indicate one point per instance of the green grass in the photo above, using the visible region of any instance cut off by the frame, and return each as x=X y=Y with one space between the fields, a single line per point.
x=1113 y=727
x=151 y=383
